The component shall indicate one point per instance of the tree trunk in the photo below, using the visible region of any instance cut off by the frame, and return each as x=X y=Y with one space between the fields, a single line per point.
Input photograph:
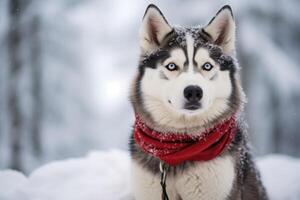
x=15 y=66
x=36 y=86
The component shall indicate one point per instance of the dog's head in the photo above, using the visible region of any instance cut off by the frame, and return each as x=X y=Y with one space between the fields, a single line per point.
x=187 y=77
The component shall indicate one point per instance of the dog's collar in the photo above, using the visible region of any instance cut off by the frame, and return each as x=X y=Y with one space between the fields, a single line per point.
x=174 y=148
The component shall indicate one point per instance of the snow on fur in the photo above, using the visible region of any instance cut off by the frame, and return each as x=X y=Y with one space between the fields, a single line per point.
x=106 y=175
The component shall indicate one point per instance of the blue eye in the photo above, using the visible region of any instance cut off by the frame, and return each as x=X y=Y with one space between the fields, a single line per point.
x=207 y=66
x=171 y=67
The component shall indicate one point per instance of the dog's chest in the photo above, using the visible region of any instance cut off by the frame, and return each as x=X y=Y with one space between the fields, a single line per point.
x=211 y=180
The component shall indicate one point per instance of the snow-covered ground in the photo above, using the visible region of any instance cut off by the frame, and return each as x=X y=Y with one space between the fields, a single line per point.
x=105 y=175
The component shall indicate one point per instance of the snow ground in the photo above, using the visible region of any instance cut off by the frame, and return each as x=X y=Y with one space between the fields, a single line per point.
x=105 y=175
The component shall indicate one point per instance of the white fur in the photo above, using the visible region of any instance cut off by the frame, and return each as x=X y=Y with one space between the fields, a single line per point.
x=146 y=186
x=190 y=51
x=211 y=180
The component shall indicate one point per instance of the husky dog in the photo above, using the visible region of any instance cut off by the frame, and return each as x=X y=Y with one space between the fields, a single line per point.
x=188 y=82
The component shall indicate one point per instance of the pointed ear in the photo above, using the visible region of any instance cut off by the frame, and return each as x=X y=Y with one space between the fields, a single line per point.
x=153 y=30
x=222 y=29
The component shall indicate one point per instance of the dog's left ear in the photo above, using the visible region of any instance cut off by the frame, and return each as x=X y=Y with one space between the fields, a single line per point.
x=153 y=30
x=222 y=29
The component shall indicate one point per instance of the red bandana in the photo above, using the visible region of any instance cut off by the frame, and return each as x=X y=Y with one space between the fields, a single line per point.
x=175 y=148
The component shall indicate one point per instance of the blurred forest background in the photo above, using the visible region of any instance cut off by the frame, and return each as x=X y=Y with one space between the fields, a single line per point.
x=66 y=66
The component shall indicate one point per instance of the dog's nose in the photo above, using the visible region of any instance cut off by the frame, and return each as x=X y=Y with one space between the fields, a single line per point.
x=193 y=93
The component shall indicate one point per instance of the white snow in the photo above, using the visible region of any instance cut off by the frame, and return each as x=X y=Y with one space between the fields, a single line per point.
x=98 y=176
x=281 y=175
x=105 y=175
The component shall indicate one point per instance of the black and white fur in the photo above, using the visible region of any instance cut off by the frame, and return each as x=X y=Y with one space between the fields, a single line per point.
x=159 y=97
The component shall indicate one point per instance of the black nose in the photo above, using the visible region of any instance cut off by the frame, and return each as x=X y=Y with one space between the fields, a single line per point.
x=193 y=93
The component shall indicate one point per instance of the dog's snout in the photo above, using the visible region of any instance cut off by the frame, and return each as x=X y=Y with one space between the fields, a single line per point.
x=193 y=93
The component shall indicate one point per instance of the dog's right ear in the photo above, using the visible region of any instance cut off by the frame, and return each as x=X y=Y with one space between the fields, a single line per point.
x=153 y=30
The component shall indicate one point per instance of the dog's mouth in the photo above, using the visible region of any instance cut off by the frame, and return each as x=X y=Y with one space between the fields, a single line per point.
x=192 y=105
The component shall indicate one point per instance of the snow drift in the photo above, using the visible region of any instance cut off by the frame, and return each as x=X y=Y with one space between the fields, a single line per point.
x=105 y=175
